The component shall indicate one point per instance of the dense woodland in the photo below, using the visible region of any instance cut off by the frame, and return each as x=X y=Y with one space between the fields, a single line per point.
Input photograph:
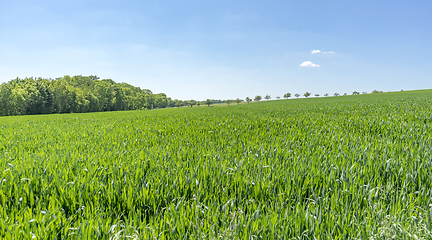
x=77 y=94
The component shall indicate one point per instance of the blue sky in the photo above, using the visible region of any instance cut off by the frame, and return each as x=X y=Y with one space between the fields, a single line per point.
x=222 y=49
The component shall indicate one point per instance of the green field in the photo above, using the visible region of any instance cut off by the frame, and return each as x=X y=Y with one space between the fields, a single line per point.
x=351 y=167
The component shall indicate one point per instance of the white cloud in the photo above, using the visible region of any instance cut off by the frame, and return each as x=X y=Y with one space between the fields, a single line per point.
x=315 y=51
x=329 y=52
x=308 y=64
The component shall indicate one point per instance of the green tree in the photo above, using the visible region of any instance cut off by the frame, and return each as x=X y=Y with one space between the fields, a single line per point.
x=287 y=95
x=208 y=102
x=248 y=100
x=120 y=96
x=198 y=103
x=64 y=95
x=6 y=101
x=336 y=94
x=267 y=97
x=46 y=104
x=160 y=100
x=178 y=103
x=316 y=95
x=297 y=95
x=105 y=95
x=75 y=94
x=307 y=94
x=238 y=101
x=326 y=95
x=257 y=98
x=229 y=101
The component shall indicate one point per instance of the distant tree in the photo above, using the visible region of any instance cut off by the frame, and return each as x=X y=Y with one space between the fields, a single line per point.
x=307 y=94
x=229 y=101
x=345 y=94
x=208 y=102
x=355 y=93
x=277 y=97
x=287 y=95
x=267 y=97
x=189 y=103
x=257 y=98
x=238 y=101
x=326 y=95
x=376 y=91
x=364 y=92
x=297 y=95
x=198 y=104
x=248 y=100
x=316 y=95
x=178 y=104
x=336 y=94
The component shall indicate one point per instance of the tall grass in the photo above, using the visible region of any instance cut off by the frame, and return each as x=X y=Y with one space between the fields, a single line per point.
x=309 y=169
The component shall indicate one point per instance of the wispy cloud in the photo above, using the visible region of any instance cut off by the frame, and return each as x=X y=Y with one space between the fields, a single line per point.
x=315 y=51
x=329 y=52
x=308 y=64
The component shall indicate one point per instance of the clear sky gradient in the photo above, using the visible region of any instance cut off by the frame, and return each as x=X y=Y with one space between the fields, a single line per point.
x=223 y=49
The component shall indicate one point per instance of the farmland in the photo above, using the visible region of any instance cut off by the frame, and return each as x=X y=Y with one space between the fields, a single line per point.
x=357 y=167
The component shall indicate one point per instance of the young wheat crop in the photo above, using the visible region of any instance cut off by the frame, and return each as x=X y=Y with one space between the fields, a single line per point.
x=356 y=167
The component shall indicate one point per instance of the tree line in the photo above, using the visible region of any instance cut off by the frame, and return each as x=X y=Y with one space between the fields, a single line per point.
x=306 y=94
x=286 y=96
x=76 y=94
x=79 y=94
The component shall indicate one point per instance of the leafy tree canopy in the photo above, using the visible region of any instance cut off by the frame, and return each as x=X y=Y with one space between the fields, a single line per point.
x=208 y=102
x=75 y=94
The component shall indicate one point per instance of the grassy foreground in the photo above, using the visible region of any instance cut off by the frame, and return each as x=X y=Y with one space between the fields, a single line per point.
x=353 y=167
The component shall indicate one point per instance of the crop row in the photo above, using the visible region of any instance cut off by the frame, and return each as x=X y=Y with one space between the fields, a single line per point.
x=280 y=169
